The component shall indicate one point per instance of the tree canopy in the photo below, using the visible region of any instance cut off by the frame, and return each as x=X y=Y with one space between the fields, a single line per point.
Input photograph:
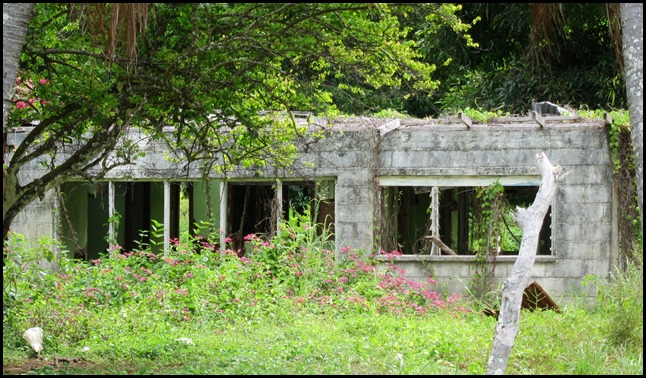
x=202 y=69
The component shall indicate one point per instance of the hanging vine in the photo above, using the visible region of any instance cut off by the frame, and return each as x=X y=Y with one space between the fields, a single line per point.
x=79 y=252
x=391 y=197
x=619 y=141
x=487 y=226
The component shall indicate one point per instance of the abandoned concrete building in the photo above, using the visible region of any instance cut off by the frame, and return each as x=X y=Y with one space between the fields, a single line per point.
x=379 y=184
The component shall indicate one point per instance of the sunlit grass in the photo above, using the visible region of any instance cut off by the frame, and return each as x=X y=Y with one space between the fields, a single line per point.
x=289 y=306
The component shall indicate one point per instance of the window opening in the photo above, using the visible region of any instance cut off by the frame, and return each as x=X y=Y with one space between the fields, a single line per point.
x=249 y=207
x=252 y=207
x=250 y=211
x=85 y=220
x=412 y=215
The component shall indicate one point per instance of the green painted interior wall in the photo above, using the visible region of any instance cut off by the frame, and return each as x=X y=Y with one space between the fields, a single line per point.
x=97 y=216
x=120 y=208
x=454 y=222
x=200 y=208
x=75 y=196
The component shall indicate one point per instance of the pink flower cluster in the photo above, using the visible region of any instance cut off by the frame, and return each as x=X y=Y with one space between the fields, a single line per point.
x=23 y=88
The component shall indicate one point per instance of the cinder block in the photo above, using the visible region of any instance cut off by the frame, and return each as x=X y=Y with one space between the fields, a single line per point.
x=590 y=193
x=354 y=194
x=359 y=213
x=582 y=212
x=577 y=138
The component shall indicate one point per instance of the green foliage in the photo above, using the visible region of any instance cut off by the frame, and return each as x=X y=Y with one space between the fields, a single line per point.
x=226 y=77
x=390 y=113
x=197 y=283
x=485 y=238
x=483 y=116
x=316 y=314
x=501 y=75
x=623 y=300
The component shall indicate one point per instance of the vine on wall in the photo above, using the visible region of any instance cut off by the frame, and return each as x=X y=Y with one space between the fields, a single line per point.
x=486 y=225
x=621 y=150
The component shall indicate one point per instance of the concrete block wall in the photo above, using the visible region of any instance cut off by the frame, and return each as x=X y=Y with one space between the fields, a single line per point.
x=37 y=220
x=583 y=229
x=357 y=155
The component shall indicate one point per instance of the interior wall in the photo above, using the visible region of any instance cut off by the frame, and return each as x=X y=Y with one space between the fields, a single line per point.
x=200 y=205
x=97 y=217
x=75 y=199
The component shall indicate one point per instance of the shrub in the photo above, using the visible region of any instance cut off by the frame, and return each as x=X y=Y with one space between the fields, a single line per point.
x=296 y=269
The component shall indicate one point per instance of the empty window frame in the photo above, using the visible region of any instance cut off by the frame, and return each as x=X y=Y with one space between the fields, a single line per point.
x=85 y=210
x=254 y=207
x=411 y=214
x=182 y=208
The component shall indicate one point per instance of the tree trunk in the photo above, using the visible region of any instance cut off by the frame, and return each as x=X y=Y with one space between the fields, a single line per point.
x=632 y=35
x=530 y=221
x=15 y=17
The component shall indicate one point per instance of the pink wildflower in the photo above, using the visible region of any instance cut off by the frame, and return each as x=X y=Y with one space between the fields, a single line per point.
x=43 y=81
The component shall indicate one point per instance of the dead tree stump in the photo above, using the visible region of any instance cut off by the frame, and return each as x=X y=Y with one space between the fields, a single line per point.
x=530 y=221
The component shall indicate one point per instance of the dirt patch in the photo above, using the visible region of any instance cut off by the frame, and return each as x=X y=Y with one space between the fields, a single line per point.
x=51 y=366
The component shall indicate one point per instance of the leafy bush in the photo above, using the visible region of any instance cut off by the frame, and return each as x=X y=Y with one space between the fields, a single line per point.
x=296 y=269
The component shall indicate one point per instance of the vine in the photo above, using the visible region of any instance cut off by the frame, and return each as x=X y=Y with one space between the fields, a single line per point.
x=621 y=150
x=487 y=227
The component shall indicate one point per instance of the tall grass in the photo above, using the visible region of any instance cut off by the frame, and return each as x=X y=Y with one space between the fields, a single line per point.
x=287 y=305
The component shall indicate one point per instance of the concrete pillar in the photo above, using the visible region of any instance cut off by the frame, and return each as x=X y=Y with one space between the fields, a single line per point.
x=111 y=235
x=279 y=203
x=224 y=205
x=166 y=216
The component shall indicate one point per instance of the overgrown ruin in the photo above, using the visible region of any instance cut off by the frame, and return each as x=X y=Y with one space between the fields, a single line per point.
x=409 y=185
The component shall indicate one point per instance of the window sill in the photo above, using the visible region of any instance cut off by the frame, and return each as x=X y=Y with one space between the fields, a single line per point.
x=458 y=258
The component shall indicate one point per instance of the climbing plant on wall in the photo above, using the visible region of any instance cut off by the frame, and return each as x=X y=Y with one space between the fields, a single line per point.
x=485 y=238
x=623 y=159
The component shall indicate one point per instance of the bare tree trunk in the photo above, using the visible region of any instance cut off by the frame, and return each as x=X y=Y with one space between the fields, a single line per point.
x=632 y=34
x=530 y=221
x=15 y=17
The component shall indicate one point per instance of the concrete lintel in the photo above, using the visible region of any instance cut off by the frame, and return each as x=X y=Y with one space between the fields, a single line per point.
x=458 y=180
